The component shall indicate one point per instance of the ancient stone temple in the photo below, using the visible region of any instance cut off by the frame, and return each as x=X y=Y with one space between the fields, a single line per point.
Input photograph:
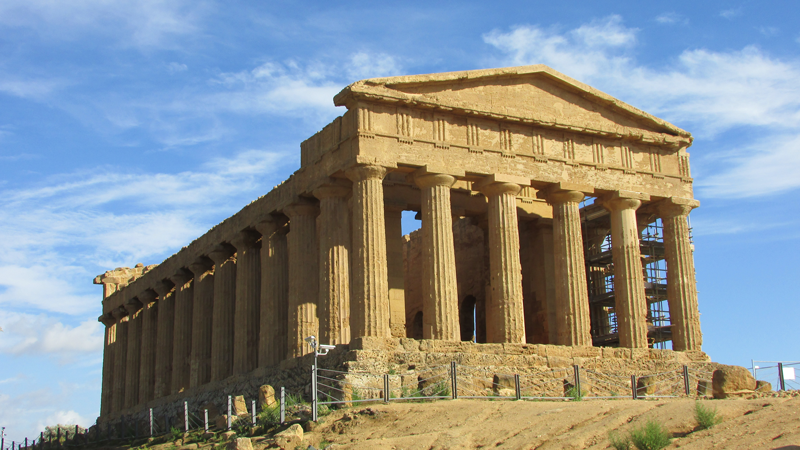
x=533 y=190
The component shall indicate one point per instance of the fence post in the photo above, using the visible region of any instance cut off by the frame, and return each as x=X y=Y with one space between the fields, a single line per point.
x=314 y=393
x=229 y=413
x=151 y=422
x=76 y=433
x=58 y=437
x=633 y=386
x=136 y=429
x=283 y=405
x=386 y=387
x=26 y=441
x=686 y=379
x=454 y=380
x=253 y=408
x=41 y=439
x=781 y=381
x=122 y=432
x=577 y=371
x=517 y=389
x=205 y=421
x=186 y=416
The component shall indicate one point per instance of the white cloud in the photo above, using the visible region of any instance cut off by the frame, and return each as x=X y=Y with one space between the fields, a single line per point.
x=366 y=65
x=713 y=92
x=768 y=31
x=28 y=87
x=65 y=418
x=42 y=334
x=174 y=68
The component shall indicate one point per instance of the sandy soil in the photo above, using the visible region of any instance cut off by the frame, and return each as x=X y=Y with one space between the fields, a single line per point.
x=765 y=423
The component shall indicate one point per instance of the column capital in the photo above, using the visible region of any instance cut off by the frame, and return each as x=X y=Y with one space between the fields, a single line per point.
x=331 y=190
x=676 y=206
x=301 y=208
x=181 y=277
x=429 y=180
x=221 y=253
x=163 y=287
x=366 y=172
x=497 y=184
x=271 y=224
x=133 y=305
x=201 y=265
x=119 y=313
x=147 y=296
x=620 y=200
x=245 y=239
x=107 y=319
x=559 y=196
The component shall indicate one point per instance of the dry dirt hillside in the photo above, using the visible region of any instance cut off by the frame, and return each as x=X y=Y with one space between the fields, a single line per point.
x=762 y=423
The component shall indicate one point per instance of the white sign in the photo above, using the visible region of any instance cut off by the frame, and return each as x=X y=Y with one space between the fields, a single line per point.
x=788 y=373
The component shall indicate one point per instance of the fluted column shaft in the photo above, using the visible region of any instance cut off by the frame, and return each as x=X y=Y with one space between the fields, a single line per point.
x=223 y=312
x=248 y=293
x=108 y=364
x=630 y=301
x=164 y=338
x=182 y=346
x=505 y=311
x=681 y=284
x=133 y=355
x=393 y=216
x=334 y=265
x=439 y=285
x=202 y=317
x=274 y=319
x=120 y=358
x=572 y=299
x=147 y=369
x=303 y=277
x=370 y=285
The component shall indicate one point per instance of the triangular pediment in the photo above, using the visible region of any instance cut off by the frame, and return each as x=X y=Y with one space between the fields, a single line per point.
x=536 y=94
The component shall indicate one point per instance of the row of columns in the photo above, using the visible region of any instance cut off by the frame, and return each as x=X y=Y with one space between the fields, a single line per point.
x=267 y=293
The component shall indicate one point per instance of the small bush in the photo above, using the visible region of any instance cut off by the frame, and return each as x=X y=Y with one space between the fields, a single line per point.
x=651 y=436
x=575 y=394
x=706 y=417
x=270 y=415
x=176 y=433
x=618 y=441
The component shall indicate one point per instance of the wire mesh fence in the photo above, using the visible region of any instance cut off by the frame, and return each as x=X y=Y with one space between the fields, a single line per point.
x=783 y=375
x=332 y=388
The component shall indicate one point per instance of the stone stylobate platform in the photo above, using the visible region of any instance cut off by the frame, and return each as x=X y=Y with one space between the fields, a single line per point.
x=517 y=149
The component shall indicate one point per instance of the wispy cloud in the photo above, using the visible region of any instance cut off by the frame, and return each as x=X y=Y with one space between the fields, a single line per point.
x=142 y=24
x=731 y=13
x=714 y=92
x=672 y=18
x=42 y=334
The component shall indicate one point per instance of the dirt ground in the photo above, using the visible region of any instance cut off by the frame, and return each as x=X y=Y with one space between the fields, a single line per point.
x=765 y=423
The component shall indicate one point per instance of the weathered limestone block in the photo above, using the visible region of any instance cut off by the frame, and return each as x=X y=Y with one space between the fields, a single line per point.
x=240 y=406
x=731 y=380
x=266 y=396
x=646 y=385
x=763 y=386
x=290 y=438
x=239 y=443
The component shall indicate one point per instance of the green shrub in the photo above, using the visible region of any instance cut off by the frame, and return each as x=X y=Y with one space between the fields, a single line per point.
x=575 y=394
x=651 y=436
x=706 y=417
x=270 y=415
x=618 y=441
x=175 y=433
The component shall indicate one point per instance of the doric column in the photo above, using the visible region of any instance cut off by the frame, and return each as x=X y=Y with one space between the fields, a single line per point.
x=248 y=293
x=120 y=358
x=572 y=299
x=164 y=338
x=274 y=319
x=505 y=312
x=334 y=264
x=681 y=284
x=370 y=290
x=202 y=316
x=108 y=363
x=597 y=281
x=133 y=356
x=223 y=311
x=439 y=286
x=182 y=336
x=630 y=302
x=303 y=277
x=393 y=215
x=147 y=369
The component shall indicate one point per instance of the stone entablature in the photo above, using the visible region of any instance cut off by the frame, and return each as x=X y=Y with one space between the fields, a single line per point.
x=512 y=150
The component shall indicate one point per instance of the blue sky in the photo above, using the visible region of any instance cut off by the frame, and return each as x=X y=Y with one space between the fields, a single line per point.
x=130 y=127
